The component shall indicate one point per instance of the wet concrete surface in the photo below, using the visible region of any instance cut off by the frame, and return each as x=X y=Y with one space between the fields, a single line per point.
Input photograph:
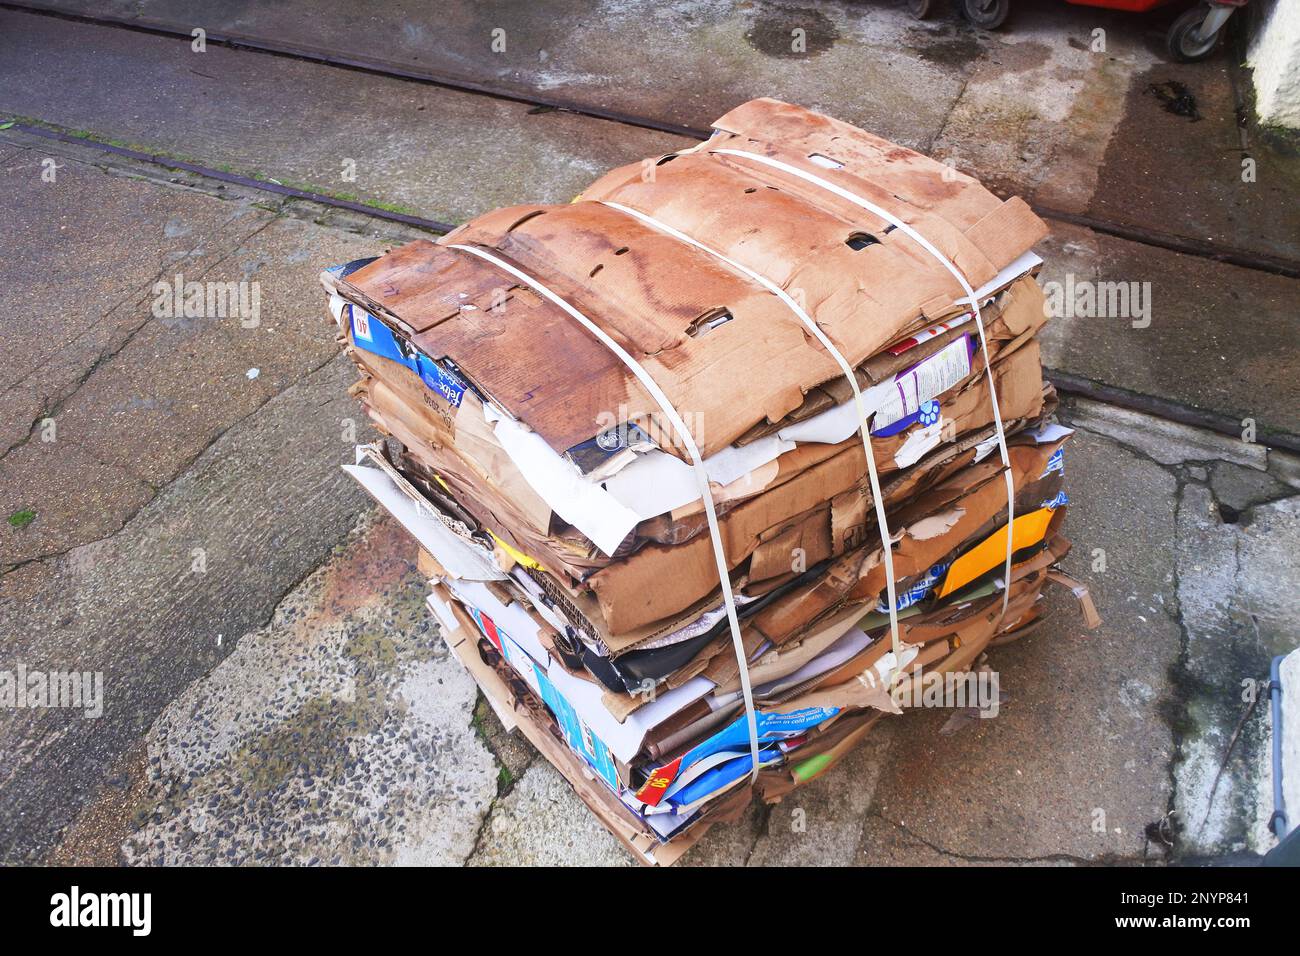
x=340 y=733
x=443 y=155
x=1205 y=334
x=1033 y=108
x=1206 y=176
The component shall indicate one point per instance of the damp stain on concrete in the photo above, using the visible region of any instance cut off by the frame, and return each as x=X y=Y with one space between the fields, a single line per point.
x=793 y=33
x=1176 y=98
x=956 y=48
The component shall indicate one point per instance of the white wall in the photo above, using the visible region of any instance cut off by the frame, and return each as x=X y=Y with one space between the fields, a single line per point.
x=1274 y=55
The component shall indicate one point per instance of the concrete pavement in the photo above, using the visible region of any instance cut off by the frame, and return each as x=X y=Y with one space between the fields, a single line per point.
x=446 y=155
x=274 y=691
x=1061 y=106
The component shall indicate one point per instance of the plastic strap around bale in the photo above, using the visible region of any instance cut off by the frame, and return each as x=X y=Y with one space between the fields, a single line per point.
x=701 y=477
x=970 y=293
x=846 y=368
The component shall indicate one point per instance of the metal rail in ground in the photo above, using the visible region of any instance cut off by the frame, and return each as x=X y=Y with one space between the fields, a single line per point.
x=1242 y=258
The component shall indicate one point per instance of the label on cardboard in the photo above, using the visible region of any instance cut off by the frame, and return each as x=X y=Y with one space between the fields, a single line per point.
x=486 y=625
x=360 y=324
x=1060 y=500
x=372 y=335
x=580 y=737
x=1055 y=463
x=735 y=736
x=919 y=589
x=922 y=383
x=898 y=348
x=439 y=380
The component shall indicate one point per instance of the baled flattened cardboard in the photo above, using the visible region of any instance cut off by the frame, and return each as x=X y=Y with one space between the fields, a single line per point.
x=662 y=258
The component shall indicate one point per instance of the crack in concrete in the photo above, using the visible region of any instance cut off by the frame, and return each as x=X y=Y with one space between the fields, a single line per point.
x=492 y=804
x=158 y=489
x=762 y=829
x=952 y=108
x=1179 y=672
x=1136 y=451
x=52 y=405
x=1106 y=860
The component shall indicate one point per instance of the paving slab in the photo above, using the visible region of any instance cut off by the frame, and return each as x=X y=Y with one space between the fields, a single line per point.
x=340 y=733
x=542 y=822
x=1208 y=335
x=410 y=147
x=129 y=398
x=1240 y=488
x=1239 y=612
x=682 y=62
x=1039 y=102
x=1166 y=442
x=71 y=292
x=822 y=824
x=161 y=602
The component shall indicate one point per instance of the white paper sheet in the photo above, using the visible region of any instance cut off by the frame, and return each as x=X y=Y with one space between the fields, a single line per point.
x=459 y=558
x=1018 y=267
x=582 y=503
x=657 y=482
x=849 y=644
x=920 y=441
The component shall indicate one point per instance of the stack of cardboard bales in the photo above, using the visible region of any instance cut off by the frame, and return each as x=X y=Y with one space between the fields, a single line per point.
x=559 y=517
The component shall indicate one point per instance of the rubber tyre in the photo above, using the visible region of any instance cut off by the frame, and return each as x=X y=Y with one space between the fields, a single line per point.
x=1181 y=40
x=920 y=9
x=986 y=14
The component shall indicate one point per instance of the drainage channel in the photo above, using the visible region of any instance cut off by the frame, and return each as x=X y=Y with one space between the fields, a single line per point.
x=207 y=172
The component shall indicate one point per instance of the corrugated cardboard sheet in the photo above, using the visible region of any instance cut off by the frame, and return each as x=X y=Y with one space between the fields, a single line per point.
x=649 y=291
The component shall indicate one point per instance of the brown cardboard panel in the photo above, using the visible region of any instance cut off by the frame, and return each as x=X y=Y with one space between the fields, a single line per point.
x=528 y=354
x=969 y=502
x=900 y=171
x=445 y=431
x=627 y=591
x=1022 y=303
x=900 y=175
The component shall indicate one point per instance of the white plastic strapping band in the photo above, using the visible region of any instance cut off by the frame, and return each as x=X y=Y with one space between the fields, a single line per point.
x=845 y=368
x=702 y=478
x=957 y=274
